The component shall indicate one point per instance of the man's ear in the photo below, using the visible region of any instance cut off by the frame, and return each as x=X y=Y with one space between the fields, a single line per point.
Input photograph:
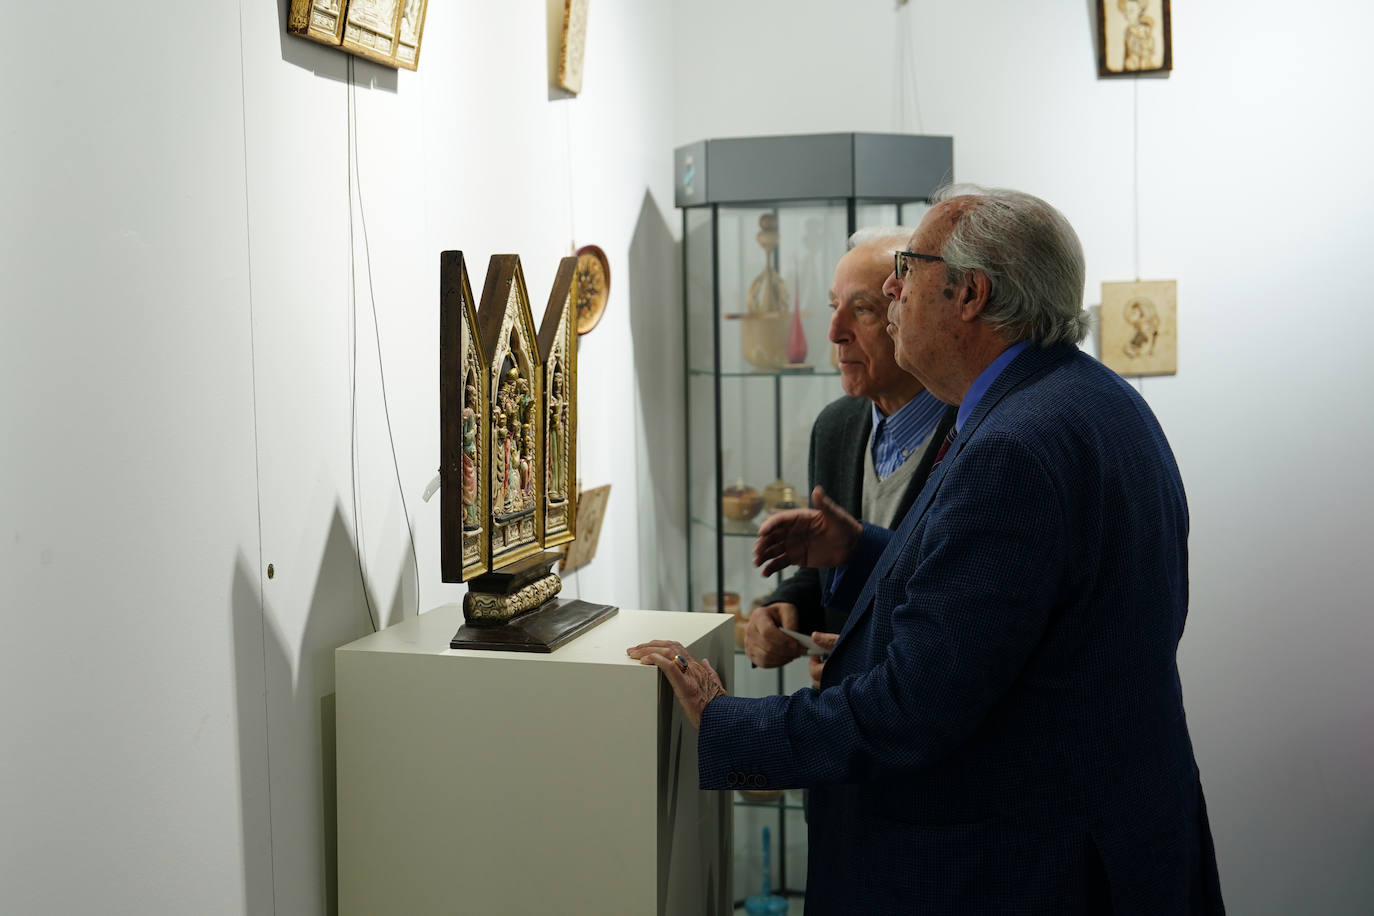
x=973 y=295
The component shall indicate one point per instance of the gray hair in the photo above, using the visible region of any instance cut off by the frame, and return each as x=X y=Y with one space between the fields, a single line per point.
x=1031 y=256
x=888 y=235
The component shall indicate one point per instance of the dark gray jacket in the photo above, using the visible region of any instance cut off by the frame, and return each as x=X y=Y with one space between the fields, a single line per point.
x=839 y=441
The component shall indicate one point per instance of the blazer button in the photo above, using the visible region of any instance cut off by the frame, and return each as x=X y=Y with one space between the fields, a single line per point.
x=732 y=780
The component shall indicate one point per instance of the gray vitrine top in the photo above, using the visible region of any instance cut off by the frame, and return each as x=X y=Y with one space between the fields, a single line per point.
x=734 y=170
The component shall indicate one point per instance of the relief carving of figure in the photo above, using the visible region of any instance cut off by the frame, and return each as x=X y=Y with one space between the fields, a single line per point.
x=500 y=450
x=1142 y=317
x=514 y=449
x=409 y=14
x=376 y=15
x=1139 y=36
x=558 y=425
x=524 y=430
x=471 y=520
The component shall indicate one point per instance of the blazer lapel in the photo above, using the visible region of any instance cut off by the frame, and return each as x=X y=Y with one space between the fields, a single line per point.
x=1029 y=364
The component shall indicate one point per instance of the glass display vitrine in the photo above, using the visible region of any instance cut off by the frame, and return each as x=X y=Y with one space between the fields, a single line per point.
x=764 y=220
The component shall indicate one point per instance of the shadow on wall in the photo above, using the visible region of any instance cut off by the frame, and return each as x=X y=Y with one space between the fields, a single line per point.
x=286 y=738
x=656 y=332
x=251 y=714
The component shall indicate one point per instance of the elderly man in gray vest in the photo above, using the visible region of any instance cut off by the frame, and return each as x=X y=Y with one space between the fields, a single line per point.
x=870 y=450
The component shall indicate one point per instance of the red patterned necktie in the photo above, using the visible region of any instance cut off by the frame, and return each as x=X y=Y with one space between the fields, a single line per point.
x=944 y=447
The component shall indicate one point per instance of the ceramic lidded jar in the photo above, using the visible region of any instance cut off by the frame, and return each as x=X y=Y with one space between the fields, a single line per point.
x=777 y=493
x=740 y=502
x=788 y=501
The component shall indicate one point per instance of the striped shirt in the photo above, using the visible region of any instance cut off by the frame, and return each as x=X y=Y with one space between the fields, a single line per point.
x=899 y=436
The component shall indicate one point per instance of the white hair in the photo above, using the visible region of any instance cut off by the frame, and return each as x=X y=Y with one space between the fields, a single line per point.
x=1031 y=256
x=895 y=237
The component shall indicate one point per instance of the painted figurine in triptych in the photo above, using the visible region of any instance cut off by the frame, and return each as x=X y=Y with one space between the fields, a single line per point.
x=558 y=356
x=515 y=391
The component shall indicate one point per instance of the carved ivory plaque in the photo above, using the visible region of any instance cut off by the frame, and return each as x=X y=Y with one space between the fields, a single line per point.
x=1140 y=327
x=574 y=43
x=412 y=29
x=387 y=32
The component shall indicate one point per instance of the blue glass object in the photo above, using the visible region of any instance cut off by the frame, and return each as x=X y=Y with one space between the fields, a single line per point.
x=766 y=903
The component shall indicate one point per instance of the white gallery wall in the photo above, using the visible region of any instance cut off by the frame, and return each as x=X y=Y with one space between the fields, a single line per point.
x=220 y=242
x=1255 y=193
x=220 y=250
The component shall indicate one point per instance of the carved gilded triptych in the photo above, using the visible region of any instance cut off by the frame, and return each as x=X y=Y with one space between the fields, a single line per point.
x=508 y=419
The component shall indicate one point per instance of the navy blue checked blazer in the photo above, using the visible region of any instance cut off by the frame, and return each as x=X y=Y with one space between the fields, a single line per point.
x=1000 y=728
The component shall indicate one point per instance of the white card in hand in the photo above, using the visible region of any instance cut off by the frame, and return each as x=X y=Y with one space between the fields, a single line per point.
x=807 y=642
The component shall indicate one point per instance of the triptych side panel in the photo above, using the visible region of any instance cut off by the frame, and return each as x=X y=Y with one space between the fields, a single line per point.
x=558 y=347
x=464 y=549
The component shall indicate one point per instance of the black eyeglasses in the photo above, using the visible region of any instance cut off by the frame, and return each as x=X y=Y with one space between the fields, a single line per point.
x=899 y=264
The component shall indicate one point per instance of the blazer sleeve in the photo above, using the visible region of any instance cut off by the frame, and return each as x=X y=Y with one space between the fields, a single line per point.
x=850 y=578
x=980 y=579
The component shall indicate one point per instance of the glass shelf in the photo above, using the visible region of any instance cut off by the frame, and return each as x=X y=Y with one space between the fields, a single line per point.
x=790 y=801
x=733 y=529
x=827 y=372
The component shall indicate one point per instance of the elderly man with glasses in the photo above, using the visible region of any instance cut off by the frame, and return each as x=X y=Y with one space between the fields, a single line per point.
x=870 y=450
x=1000 y=727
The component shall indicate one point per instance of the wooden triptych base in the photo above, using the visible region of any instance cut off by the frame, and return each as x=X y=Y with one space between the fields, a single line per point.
x=541 y=630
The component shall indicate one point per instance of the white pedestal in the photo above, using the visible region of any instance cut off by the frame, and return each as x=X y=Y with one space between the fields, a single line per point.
x=503 y=782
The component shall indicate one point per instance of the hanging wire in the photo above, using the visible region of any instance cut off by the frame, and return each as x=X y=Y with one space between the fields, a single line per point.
x=1135 y=170
x=572 y=249
x=1135 y=187
x=905 y=97
x=257 y=461
x=353 y=361
x=568 y=168
x=355 y=181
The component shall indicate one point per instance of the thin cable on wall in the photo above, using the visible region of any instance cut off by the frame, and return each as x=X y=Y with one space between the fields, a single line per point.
x=567 y=162
x=1135 y=189
x=355 y=183
x=1135 y=170
x=257 y=467
x=906 y=97
x=353 y=363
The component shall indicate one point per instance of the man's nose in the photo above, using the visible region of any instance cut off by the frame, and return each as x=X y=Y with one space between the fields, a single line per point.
x=839 y=327
x=892 y=287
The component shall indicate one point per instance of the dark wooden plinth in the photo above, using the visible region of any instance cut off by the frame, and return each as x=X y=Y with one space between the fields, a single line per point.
x=541 y=630
x=515 y=576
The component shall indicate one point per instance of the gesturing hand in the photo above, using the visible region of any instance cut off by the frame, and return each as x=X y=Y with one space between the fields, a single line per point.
x=766 y=645
x=695 y=682
x=823 y=535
